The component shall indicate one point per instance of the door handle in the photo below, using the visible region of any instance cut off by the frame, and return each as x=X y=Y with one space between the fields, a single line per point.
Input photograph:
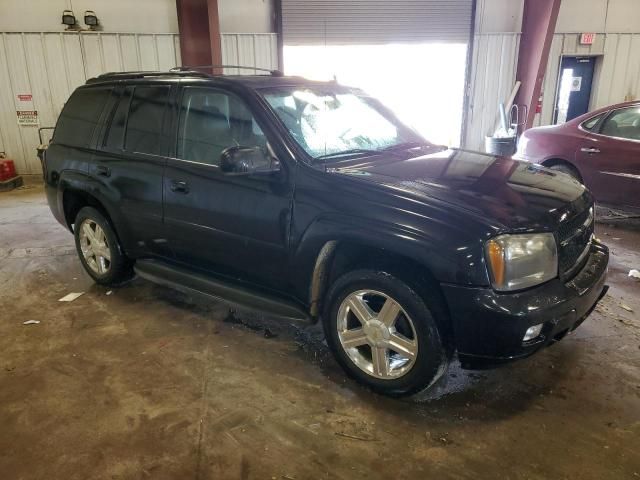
x=179 y=186
x=590 y=150
x=103 y=171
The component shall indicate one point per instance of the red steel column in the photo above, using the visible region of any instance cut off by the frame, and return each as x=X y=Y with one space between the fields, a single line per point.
x=199 y=32
x=538 y=25
x=214 y=35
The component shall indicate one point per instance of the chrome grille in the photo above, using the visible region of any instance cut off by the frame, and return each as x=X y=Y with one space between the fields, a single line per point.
x=574 y=238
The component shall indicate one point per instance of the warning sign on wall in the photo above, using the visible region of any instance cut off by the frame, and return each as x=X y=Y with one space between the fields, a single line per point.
x=27 y=117
x=25 y=97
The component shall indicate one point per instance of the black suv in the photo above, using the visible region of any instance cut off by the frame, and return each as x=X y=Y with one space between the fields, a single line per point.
x=311 y=200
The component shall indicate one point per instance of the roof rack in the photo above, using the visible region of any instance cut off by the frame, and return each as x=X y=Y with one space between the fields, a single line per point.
x=182 y=71
x=273 y=73
x=138 y=74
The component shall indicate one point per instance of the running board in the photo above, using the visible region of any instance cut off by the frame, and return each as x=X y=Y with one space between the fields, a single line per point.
x=197 y=284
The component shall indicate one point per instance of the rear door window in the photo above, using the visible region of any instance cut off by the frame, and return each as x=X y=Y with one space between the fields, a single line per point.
x=80 y=116
x=623 y=123
x=114 y=138
x=144 y=124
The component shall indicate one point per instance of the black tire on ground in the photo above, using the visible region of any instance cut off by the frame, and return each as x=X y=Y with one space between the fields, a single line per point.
x=568 y=169
x=432 y=357
x=119 y=268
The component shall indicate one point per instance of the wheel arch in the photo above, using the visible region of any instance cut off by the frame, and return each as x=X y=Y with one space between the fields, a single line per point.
x=337 y=257
x=74 y=196
x=550 y=162
x=73 y=200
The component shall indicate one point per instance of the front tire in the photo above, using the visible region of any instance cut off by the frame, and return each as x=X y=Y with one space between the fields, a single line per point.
x=98 y=248
x=383 y=334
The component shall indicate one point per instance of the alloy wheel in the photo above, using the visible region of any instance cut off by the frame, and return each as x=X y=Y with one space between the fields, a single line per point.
x=94 y=246
x=377 y=334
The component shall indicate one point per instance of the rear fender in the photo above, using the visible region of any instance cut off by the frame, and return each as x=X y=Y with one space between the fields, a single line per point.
x=108 y=199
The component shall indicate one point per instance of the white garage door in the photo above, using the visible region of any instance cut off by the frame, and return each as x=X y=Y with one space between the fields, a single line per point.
x=369 y=22
x=411 y=54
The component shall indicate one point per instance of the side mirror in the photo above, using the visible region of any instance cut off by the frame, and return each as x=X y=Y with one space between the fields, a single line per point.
x=247 y=161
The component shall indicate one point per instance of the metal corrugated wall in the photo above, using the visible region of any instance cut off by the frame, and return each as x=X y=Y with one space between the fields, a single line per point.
x=49 y=66
x=493 y=74
x=617 y=76
x=371 y=22
x=250 y=49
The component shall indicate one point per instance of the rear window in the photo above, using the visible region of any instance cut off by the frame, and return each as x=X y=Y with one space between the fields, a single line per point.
x=136 y=123
x=115 y=133
x=80 y=116
x=144 y=124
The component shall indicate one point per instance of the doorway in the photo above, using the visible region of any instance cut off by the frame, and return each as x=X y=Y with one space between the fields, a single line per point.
x=400 y=75
x=574 y=88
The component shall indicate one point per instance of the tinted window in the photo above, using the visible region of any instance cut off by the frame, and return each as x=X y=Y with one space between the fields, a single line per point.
x=623 y=123
x=114 y=138
x=144 y=124
x=80 y=116
x=592 y=122
x=210 y=121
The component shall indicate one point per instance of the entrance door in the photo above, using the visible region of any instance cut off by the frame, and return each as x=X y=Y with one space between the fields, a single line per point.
x=574 y=88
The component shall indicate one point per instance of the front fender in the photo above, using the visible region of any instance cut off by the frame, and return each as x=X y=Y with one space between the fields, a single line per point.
x=448 y=257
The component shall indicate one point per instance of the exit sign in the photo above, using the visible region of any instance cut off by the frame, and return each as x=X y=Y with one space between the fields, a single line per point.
x=587 y=38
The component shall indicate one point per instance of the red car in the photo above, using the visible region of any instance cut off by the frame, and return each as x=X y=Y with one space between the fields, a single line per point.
x=600 y=148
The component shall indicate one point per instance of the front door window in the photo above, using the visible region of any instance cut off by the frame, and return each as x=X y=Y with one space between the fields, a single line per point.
x=210 y=122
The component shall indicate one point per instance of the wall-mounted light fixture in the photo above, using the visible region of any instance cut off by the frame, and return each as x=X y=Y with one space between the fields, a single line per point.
x=91 y=20
x=69 y=19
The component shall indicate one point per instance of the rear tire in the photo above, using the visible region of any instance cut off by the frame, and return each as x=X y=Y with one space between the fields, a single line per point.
x=98 y=248
x=398 y=349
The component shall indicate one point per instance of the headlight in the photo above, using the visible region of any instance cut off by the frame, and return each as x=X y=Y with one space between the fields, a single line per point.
x=520 y=261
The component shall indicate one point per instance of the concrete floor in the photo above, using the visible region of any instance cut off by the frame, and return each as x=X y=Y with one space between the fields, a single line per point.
x=139 y=382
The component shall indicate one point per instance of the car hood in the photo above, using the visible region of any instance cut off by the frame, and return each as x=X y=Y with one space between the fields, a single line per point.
x=507 y=194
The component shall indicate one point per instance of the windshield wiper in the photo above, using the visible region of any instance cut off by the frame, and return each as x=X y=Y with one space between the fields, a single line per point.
x=351 y=151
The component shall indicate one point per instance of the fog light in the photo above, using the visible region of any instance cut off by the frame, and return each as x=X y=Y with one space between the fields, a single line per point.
x=532 y=332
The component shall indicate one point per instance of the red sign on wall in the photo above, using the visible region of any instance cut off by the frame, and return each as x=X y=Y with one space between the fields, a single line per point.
x=587 y=38
x=25 y=97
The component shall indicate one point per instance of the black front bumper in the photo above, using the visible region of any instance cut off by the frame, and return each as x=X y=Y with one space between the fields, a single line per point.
x=489 y=326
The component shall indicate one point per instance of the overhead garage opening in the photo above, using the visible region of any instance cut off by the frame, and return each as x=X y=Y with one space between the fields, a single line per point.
x=411 y=54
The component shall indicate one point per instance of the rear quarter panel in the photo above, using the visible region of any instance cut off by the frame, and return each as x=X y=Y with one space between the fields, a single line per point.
x=543 y=144
x=63 y=161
